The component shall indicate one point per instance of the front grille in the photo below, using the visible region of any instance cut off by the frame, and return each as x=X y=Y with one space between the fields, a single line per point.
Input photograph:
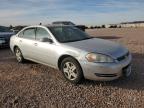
x=3 y=42
x=123 y=57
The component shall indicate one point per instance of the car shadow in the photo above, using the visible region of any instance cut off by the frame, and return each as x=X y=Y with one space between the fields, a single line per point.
x=107 y=37
x=4 y=48
x=29 y=62
x=134 y=82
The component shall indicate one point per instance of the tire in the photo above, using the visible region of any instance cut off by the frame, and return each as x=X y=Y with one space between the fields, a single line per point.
x=19 y=55
x=71 y=70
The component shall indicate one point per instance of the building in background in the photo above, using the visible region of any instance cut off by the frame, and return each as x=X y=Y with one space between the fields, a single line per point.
x=132 y=24
x=127 y=24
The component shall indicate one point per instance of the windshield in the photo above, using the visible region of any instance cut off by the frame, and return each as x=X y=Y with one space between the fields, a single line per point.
x=68 y=23
x=64 y=23
x=68 y=34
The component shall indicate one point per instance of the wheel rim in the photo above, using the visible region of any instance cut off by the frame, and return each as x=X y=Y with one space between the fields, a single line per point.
x=69 y=70
x=18 y=55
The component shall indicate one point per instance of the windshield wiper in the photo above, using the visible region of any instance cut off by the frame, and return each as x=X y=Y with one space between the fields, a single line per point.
x=87 y=38
x=78 y=40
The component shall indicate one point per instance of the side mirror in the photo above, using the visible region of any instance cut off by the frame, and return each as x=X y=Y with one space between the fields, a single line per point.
x=46 y=40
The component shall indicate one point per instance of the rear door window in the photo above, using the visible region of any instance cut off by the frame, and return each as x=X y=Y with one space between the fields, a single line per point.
x=20 y=34
x=41 y=33
x=29 y=33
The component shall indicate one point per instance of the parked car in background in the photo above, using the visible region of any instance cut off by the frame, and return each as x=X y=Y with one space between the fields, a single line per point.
x=82 y=27
x=16 y=29
x=73 y=52
x=5 y=34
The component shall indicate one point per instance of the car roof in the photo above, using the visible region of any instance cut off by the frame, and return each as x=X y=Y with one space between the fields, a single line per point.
x=60 y=21
x=51 y=25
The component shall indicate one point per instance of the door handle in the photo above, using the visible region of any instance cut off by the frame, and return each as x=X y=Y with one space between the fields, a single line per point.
x=20 y=40
x=35 y=44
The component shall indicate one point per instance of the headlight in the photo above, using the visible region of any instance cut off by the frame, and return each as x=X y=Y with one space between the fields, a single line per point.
x=93 y=57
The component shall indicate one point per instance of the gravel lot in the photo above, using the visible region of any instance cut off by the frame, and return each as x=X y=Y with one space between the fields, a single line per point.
x=33 y=85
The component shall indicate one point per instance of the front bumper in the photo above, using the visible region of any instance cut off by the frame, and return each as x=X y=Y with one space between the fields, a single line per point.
x=3 y=43
x=105 y=71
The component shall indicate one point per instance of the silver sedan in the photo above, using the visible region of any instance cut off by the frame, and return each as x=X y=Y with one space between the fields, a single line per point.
x=73 y=52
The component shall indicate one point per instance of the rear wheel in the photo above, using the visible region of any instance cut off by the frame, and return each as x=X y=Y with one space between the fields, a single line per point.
x=19 y=55
x=71 y=70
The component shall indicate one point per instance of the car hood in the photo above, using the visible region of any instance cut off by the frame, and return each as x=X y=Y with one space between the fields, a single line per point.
x=99 y=46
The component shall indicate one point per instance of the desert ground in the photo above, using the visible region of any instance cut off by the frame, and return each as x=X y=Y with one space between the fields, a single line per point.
x=32 y=85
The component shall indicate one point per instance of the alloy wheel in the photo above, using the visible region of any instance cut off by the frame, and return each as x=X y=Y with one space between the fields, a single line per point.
x=69 y=70
x=18 y=55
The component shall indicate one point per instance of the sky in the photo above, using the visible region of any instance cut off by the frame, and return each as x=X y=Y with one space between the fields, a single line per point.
x=88 y=12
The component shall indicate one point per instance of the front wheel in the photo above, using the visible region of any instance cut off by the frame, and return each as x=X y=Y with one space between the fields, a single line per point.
x=71 y=70
x=19 y=55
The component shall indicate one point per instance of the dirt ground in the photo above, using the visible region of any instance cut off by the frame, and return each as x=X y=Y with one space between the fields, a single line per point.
x=32 y=85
